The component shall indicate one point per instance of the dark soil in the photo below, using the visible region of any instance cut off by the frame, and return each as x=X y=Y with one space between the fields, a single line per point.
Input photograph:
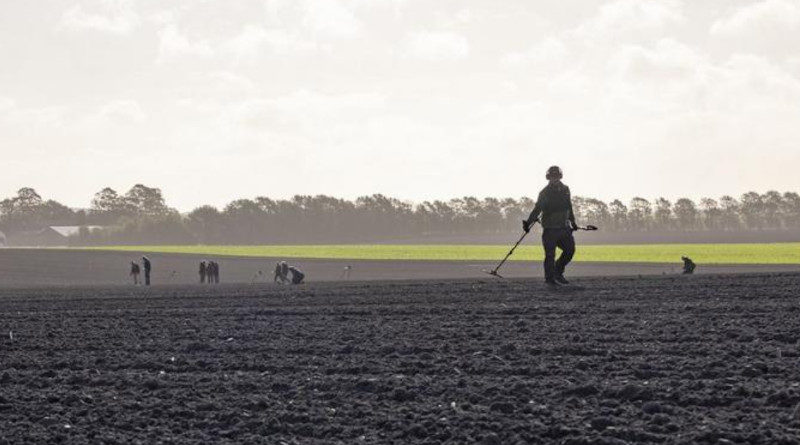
x=704 y=359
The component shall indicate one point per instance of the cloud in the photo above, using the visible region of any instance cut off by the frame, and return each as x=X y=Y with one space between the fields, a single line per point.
x=630 y=20
x=331 y=18
x=6 y=105
x=770 y=25
x=173 y=43
x=759 y=17
x=314 y=18
x=437 y=45
x=550 y=52
x=122 y=111
x=667 y=60
x=254 y=40
x=115 y=17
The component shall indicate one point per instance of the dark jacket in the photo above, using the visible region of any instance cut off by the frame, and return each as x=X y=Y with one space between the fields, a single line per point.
x=555 y=207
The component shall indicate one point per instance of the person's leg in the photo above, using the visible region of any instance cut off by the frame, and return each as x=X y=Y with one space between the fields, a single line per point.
x=147 y=278
x=566 y=242
x=549 y=239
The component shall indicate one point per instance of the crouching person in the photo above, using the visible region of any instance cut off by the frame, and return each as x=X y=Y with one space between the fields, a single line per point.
x=688 y=265
x=297 y=275
x=283 y=271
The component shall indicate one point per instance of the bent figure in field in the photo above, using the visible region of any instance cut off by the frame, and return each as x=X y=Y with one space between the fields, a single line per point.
x=202 y=272
x=147 y=267
x=297 y=275
x=135 y=272
x=553 y=210
x=688 y=265
x=282 y=271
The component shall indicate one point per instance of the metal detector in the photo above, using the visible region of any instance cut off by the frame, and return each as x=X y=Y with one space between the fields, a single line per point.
x=588 y=228
x=494 y=271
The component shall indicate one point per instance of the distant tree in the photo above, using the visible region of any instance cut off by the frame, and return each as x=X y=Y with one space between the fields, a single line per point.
x=619 y=214
x=512 y=213
x=147 y=201
x=711 y=214
x=247 y=219
x=663 y=213
x=207 y=225
x=639 y=213
x=107 y=202
x=54 y=213
x=752 y=210
x=730 y=213
x=23 y=210
x=596 y=212
x=772 y=206
x=790 y=209
x=685 y=214
x=490 y=215
x=27 y=200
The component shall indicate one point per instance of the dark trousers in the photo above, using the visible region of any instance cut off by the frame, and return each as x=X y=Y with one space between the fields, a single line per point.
x=561 y=238
x=146 y=277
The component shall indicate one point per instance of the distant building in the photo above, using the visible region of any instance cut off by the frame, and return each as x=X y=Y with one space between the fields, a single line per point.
x=48 y=236
x=67 y=231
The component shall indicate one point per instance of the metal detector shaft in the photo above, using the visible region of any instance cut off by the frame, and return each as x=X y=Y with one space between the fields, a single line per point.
x=494 y=272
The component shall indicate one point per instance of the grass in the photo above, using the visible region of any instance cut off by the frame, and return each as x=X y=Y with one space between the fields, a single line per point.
x=772 y=253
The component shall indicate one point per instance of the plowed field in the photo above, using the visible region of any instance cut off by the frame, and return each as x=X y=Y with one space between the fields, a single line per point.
x=702 y=359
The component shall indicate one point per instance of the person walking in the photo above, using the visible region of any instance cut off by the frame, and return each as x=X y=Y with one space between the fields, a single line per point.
x=147 y=266
x=202 y=272
x=554 y=206
x=135 y=272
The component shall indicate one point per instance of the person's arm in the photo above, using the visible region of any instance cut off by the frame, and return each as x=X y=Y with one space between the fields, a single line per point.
x=534 y=215
x=571 y=212
x=537 y=209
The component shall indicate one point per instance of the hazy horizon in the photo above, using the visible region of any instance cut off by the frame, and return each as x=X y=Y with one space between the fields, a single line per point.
x=216 y=101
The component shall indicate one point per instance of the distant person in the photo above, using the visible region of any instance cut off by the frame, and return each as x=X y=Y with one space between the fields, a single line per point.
x=281 y=272
x=554 y=204
x=202 y=272
x=688 y=265
x=297 y=275
x=135 y=272
x=147 y=266
x=286 y=274
x=215 y=272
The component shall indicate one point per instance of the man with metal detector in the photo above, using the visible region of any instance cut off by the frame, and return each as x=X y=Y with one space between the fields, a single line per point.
x=554 y=205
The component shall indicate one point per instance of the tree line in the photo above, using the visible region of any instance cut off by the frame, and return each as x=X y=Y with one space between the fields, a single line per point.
x=141 y=215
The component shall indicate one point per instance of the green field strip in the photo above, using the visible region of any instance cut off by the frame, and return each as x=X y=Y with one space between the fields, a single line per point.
x=771 y=253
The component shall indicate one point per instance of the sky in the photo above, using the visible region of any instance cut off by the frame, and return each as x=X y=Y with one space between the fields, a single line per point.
x=417 y=99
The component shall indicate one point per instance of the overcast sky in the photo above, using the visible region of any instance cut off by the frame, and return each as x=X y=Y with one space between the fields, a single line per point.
x=418 y=99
